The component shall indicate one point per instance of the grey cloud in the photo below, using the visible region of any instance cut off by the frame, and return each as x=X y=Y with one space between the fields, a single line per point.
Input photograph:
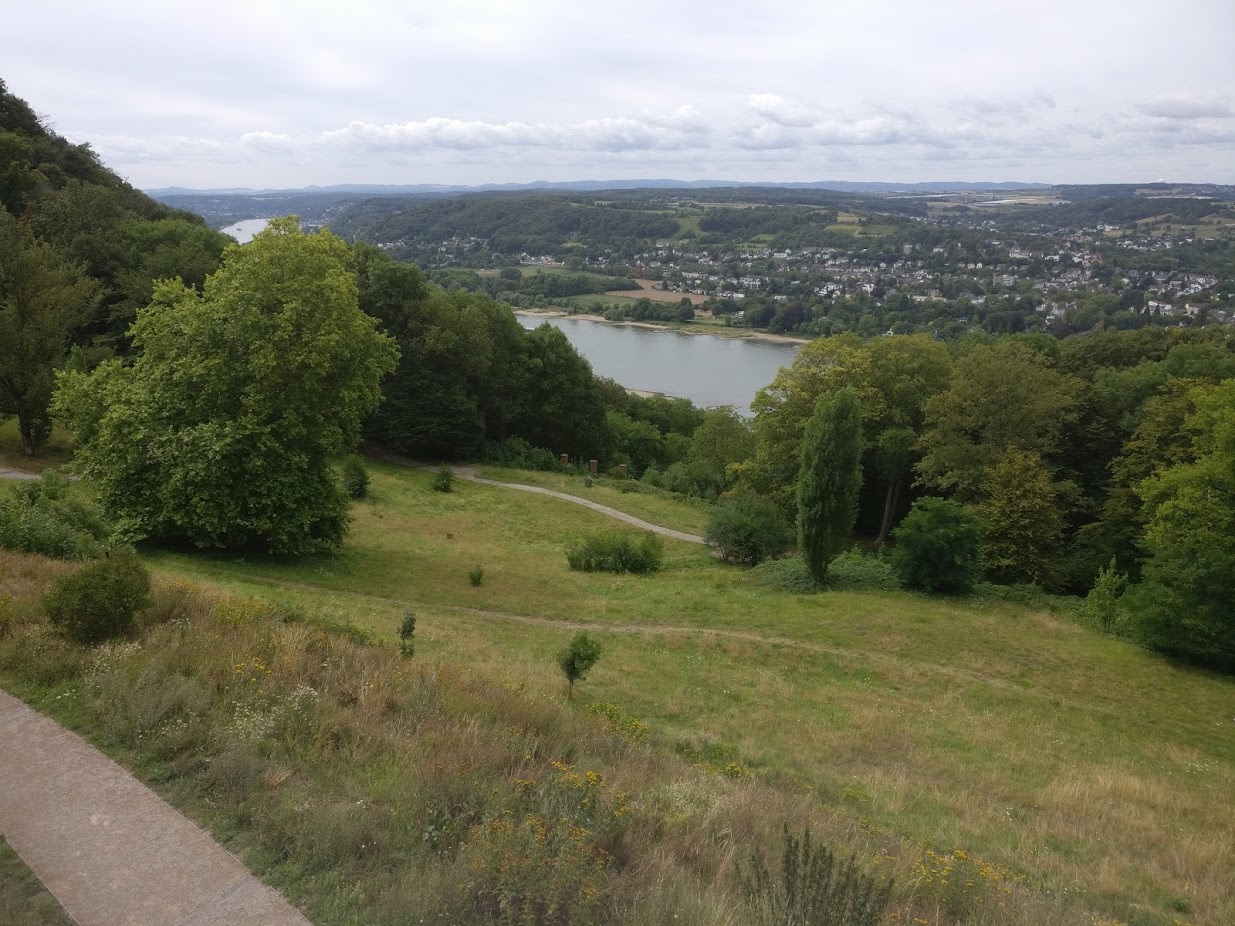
x=1185 y=107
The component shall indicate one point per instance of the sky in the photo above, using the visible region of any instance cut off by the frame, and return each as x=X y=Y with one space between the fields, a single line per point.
x=271 y=94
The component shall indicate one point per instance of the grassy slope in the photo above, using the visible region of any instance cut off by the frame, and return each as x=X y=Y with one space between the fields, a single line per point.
x=1082 y=763
x=23 y=900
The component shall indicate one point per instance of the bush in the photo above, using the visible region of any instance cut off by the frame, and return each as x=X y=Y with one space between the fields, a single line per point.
x=355 y=478
x=43 y=517
x=748 y=529
x=476 y=576
x=1102 y=606
x=443 y=479
x=617 y=553
x=577 y=660
x=862 y=572
x=938 y=547
x=516 y=453
x=785 y=575
x=814 y=887
x=98 y=602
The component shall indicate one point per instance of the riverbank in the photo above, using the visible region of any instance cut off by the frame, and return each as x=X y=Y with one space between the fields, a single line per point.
x=715 y=330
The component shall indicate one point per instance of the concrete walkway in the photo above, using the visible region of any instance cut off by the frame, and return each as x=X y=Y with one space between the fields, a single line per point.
x=109 y=849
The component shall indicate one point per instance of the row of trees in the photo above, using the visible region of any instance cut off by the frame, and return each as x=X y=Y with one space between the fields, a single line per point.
x=1112 y=451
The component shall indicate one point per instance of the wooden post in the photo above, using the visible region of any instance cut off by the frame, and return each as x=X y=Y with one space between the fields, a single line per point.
x=622 y=470
x=591 y=465
x=565 y=460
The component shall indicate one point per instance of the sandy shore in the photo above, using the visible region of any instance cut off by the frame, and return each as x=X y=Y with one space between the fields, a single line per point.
x=685 y=329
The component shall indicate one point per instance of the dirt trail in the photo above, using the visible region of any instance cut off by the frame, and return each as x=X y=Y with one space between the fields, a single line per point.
x=468 y=474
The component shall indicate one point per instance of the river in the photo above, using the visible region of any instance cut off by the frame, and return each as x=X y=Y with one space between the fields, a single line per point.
x=244 y=231
x=708 y=369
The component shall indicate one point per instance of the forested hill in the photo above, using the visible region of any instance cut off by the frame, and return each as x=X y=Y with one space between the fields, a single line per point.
x=36 y=161
x=89 y=245
x=509 y=223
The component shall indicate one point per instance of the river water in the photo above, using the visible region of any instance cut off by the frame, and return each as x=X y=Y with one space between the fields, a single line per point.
x=707 y=369
x=244 y=231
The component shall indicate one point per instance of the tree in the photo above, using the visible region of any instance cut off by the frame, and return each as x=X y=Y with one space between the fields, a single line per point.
x=43 y=301
x=1186 y=604
x=830 y=479
x=938 y=547
x=221 y=431
x=1002 y=397
x=1024 y=527
x=577 y=660
x=747 y=529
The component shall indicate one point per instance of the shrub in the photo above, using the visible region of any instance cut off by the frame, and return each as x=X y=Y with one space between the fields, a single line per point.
x=443 y=479
x=407 y=635
x=938 y=547
x=814 y=887
x=1102 y=606
x=786 y=575
x=516 y=453
x=748 y=529
x=44 y=517
x=476 y=576
x=617 y=553
x=98 y=602
x=355 y=478
x=865 y=572
x=577 y=660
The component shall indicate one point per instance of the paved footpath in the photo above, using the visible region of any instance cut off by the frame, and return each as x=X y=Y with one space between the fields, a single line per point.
x=109 y=849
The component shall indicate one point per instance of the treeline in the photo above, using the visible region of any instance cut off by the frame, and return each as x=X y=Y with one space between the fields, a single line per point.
x=80 y=251
x=744 y=224
x=509 y=224
x=1104 y=459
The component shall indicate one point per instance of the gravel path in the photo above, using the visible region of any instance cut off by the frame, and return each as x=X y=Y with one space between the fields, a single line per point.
x=109 y=849
x=468 y=474
x=6 y=473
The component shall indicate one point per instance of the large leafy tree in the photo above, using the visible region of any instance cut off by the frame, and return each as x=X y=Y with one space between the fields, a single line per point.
x=1000 y=398
x=1186 y=604
x=830 y=479
x=43 y=300
x=221 y=431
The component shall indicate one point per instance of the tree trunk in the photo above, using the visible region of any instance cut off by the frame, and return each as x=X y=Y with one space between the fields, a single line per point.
x=889 y=509
x=26 y=432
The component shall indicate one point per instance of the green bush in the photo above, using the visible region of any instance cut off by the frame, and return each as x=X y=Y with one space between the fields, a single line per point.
x=98 y=602
x=617 y=553
x=785 y=575
x=854 y=571
x=476 y=576
x=748 y=529
x=938 y=546
x=355 y=478
x=443 y=479
x=814 y=887
x=516 y=453
x=44 y=517
x=1103 y=606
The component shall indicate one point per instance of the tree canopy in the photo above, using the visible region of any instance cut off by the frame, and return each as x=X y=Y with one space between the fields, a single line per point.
x=221 y=431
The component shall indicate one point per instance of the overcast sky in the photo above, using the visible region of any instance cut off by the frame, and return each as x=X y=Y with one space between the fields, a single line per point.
x=275 y=94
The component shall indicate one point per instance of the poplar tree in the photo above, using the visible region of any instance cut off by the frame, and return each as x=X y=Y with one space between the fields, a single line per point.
x=830 y=478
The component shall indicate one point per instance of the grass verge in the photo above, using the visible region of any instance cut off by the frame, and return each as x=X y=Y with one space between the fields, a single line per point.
x=23 y=899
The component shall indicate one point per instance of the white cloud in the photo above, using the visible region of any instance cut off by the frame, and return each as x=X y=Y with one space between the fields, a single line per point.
x=1186 y=107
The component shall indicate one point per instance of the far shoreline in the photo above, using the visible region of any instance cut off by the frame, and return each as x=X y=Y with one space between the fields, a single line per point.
x=683 y=329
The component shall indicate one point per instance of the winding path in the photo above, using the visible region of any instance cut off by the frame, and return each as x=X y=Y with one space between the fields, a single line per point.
x=108 y=848
x=468 y=474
